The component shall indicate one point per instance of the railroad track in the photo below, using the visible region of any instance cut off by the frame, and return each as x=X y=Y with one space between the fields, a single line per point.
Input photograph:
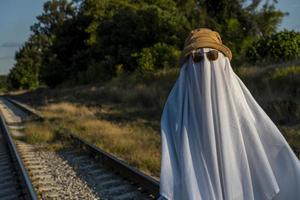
x=14 y=179
x=152 y=184
x=109 y=177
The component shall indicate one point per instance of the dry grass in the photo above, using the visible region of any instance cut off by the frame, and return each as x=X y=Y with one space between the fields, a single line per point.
x=65 y=109
x=132 y=141
x=42 y=134
x=36 y=132
x=292 y=134
x=123 y=116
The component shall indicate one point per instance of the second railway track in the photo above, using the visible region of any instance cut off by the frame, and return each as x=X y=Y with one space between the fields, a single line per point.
x=102 y=175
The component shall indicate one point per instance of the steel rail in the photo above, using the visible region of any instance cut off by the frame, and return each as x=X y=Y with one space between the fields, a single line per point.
x=147 y=183
x=33 y=114
x=28 y=190
x=123 y=169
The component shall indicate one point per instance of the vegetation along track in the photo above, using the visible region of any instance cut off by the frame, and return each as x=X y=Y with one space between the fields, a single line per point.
x=14 y=179
x=105 y=176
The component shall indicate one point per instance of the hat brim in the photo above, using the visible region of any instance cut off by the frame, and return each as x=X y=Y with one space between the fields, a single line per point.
x=205 y=44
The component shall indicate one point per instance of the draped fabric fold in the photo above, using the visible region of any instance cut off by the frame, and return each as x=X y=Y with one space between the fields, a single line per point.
x=218 y=143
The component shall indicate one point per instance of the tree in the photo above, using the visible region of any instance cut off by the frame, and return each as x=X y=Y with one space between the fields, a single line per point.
x=278 y=47
x=55 y=13
x=150 y=25
x=63 y=38
x=268 y=19
x=3 y=82
x=87 y=40
x=239 y=24
x=26 y=72
x=68 y=55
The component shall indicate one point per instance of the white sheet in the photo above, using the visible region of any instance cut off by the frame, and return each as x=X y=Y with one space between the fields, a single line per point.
x=218 y=143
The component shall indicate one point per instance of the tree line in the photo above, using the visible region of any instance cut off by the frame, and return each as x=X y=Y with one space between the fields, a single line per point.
x=87 y=41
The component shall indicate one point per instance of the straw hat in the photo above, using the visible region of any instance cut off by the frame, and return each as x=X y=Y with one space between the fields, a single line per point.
x=201 y=38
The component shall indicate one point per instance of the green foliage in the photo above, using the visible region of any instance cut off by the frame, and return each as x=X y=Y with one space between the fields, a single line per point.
x=25 y=74
x=146 y=62
x=97 y=12
x=3 y=82
x=292 y=72
x=68 y=54
x=268 y=19
x=238 y=24
x=278 y=47
x=150 y=25
x=55 y=12
x=287 y=78
x=100 y=71
x=85 y=41
x=157 y=57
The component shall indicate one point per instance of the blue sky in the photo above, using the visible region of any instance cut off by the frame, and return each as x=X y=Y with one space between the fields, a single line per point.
x=16 y=16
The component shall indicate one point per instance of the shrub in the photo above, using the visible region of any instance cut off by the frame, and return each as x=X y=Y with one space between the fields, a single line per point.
x=156 y=57
x=286 y=79
x=279 y=47
x=101 y=71
x=146 y=61
x=133 y=30
x=288 y=73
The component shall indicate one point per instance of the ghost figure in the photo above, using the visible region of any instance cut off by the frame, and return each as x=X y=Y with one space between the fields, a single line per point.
x=217 y=142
